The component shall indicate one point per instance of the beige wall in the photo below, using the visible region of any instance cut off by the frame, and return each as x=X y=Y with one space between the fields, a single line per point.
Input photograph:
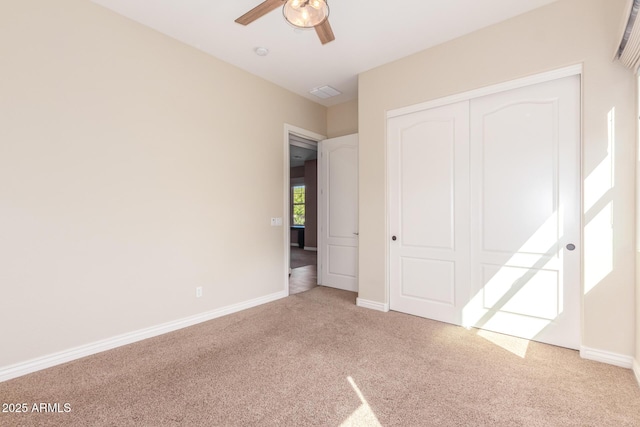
x=342 y=119
x=563 y=33
x=119 y=194
x=297 y=172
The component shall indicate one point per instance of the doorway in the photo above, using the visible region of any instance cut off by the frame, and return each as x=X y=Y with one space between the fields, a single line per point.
x=301 y=180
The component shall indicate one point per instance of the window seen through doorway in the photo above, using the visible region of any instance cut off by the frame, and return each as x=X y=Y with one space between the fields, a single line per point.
x=298 y=204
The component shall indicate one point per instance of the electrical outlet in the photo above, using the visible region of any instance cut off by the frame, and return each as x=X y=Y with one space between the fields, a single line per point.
x=198 y=291
x=276 y=222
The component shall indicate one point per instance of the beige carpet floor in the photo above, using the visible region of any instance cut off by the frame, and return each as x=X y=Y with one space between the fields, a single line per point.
x=316 y=359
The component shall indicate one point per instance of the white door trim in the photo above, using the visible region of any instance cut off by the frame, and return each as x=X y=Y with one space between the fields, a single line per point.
x=286 y=223
x=489 y=90
x=573 y=70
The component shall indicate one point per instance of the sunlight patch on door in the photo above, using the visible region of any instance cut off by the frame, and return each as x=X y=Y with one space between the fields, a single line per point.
x=524 y=293
x=493 y=319
x=530 y=292
x=363 y=416
x=502 y=283
x=545 y=237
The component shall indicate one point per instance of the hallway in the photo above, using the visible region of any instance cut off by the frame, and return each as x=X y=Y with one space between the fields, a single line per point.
x=304 y=270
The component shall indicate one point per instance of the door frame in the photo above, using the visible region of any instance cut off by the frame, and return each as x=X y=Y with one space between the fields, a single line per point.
x=286 y=220
x=544 y=77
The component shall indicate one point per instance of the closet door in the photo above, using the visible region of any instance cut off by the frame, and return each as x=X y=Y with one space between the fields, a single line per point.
x=525 y=212
x=428 y=167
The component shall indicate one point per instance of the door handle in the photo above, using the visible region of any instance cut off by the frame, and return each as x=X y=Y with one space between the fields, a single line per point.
x=393 y=238
x=357 y=234
x=571 y=246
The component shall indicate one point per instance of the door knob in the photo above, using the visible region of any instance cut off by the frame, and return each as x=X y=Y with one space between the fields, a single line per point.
x=357 y=234
x=393 y=238
x=571 y=246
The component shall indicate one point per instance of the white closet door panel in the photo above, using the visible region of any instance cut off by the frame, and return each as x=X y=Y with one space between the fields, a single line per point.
x=519 y=154
x=414 y=270
x=429 y=208
x=428 y=224
x=538 y=296
x=525 y=210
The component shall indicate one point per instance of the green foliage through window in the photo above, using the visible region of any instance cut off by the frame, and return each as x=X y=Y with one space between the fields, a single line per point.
x=298 y=204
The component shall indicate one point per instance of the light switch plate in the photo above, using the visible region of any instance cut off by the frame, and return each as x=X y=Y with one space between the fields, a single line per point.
x=275 y=222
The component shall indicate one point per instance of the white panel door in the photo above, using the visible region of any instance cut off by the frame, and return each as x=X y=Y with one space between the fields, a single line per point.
x=525 y=186
x=339 y=211
x=428 y=162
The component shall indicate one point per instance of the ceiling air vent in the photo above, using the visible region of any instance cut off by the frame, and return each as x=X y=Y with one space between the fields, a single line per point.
x=325 y=92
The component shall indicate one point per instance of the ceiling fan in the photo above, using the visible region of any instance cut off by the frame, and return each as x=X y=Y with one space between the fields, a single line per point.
x=299 y=13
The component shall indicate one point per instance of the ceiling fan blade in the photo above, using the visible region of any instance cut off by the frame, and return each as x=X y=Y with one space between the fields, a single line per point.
x=325 y=33
x=259 y=11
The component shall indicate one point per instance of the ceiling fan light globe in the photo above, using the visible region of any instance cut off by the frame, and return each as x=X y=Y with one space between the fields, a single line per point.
x=305 y=13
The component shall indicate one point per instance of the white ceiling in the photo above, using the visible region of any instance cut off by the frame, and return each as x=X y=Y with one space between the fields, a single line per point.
x=368 y=33
x=299 y=155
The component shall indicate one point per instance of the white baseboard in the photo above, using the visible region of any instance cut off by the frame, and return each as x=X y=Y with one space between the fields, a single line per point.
x=606 y=357
x=310 y=248
x=372 y=305
x=636 y=370
x=33 y=365
x=348 y=288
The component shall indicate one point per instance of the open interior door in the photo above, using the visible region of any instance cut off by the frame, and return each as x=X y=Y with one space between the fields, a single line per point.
x=339 y=212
